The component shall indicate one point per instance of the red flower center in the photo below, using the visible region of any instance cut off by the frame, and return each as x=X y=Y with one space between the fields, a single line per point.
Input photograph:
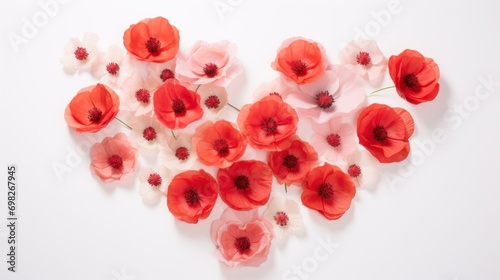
x=94 y=115
x=299 y=68
x=212 y=102
x=324 y=99
x=270 y=126
x=191 y=197
x=154 y=179
x=325 y=191
x=242 y=244
x=411 y=81
x=182 y=153
x=115 y=161
x=354 y=170
x=380 y=134
x=210 y=70
x=153 y=45
x=81 y=53
x=112 y=68
x=179 y=107
x=363 y=58
x=241 y=182
x=333 y=140
x=291 y=162
x=149 y=133
x=143 y=95
x=166 y=74
x=221 y=146
x=281 y=218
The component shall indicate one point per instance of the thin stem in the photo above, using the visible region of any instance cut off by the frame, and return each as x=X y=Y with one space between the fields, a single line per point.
x=230 y=105
x=286 y=188
x=128 y=126
x=173 y=134
x=198 y=87
x=380 y=89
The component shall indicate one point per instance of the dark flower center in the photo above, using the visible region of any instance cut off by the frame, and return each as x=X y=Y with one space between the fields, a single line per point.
x=153 y=45
x=221 y=146
x=212 y=102
x=182 y=153
x=281 y=218
x=115 y=161
x=179 y=107
x=333 y=140
x=242 y=244
x=210 y=70
x=363 y=58
x=154 y=179
x=112 y=68
x=324 y=100
x=299 y=68
x=277 y=94
x=241 y=182
x=269 y=125
x=149 y=133
x=191 y=197
x=81 y=53
x=143 y=95
x=325 y=191
x=291 y=162
x=380 y=134
x=166 y=74
x=411 y=81
x=94 y=115
x=354 y=170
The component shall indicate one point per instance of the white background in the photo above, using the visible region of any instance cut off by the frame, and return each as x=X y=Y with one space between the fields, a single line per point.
x=440 y=221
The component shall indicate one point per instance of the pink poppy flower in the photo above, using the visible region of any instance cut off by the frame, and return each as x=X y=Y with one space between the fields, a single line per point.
x=365 y=59
x=284 y=215
x=179 y=153
x=213 y=99
x=161 y=72
x=78 y=55
x=112 y=158
x=153 y=184
x=242 y=237
x=209 y=63
x=138 y=96
x=147 y=133
x=334 y=139
x=112 y=67
x=335 y=94
x=363 y=169
x=279 y=86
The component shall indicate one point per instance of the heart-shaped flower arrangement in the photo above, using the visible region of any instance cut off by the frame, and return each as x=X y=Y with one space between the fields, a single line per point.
x=165 y=91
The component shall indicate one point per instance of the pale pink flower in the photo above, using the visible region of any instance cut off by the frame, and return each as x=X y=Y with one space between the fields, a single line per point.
x=78 y=55
x=363 y=169
x=147 y=132
x=112 y=158
x=209 y=63
x=284 y=215
x=179 y=153
x=242 y=237
x=335 y=94
x=138 y=96
x=365 y=59
x=112 y=67
x=334 y=140
x=153 y=184
x=213 y=98
x=279 y=86
x=161 y=72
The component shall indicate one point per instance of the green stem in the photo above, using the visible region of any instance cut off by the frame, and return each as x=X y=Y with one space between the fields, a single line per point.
x=286 y=188
x=198 y=87
x=128 y=126
x=173 y=134
x=380 y=89
x=233 y=107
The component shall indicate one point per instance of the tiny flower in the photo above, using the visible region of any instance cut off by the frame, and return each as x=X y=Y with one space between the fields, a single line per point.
x=179 y=153
x=242 y=238
x=112 y=67
x=291 y=165
x=284 y=215
x=365 y=59
x=384 y=132
x=153 y=184
x=279 y=87
x=300 y=60
x=191 y=195
x=268 y=123
x=334 y=139
x=363 y=169
x=154 y=40
x=147 y=133
x=139 y=95
x=245 y=185
x=161 y=72
x=92 y=108
x=78 y=55
x=112 y=158
x=209 y=63
x=175 y=106
x=416 y=77
x=213 y=98
x=329 y=191
x=219 y=144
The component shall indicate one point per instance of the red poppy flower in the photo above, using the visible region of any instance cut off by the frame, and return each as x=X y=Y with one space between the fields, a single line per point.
x=245 y=184
x=416 y=77
x=290 y=166
x=219 y=144
x=152 y=40
x=191 y=195
x=384 y=132
x=175 y=106
x=92 y=108
x=329 y=191
x=268 y=123
x=300 y=60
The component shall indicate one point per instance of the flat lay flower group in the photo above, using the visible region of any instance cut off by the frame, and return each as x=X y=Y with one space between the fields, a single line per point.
x=170 y=102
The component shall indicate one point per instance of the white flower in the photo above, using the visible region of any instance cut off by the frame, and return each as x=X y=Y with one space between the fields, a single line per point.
x=153 y=184
x=213 y=98
x=112 y=67
x=161 y=72
x=284 y=215
x=363 y=169
x=147 y=132
x=139 y=95
x=179 y=153
x=79 y=55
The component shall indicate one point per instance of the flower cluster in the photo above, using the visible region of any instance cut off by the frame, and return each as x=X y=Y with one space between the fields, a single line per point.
x=173 y=99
